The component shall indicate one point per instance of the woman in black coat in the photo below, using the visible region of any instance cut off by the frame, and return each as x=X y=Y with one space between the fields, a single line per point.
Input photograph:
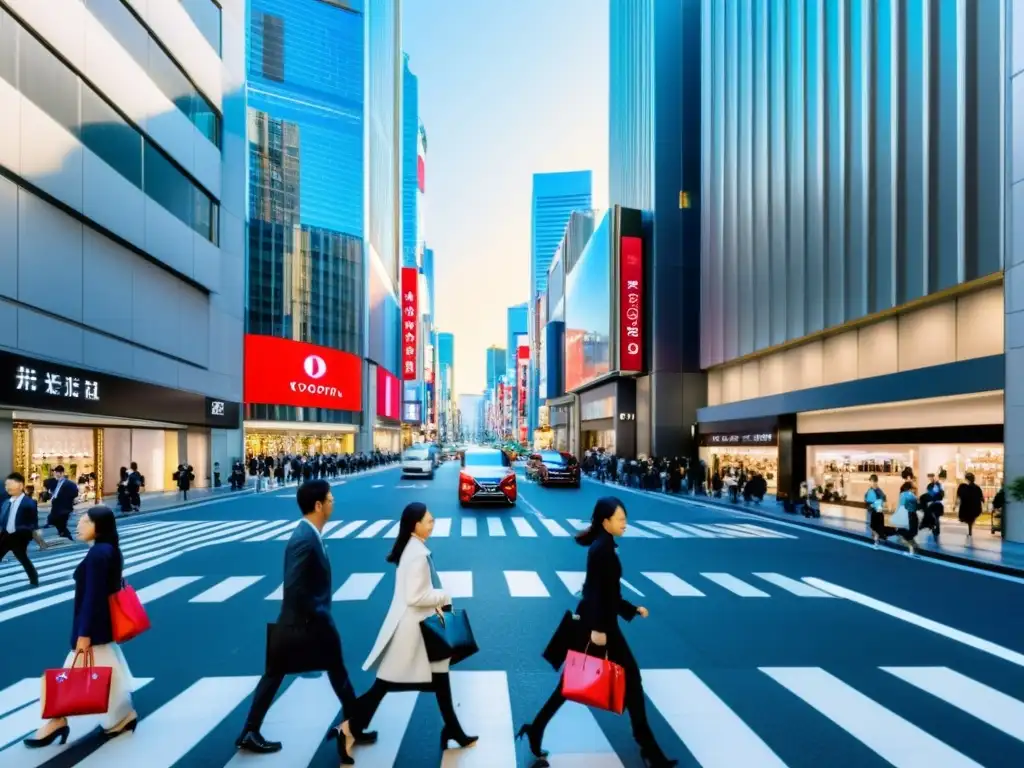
x=599 y=610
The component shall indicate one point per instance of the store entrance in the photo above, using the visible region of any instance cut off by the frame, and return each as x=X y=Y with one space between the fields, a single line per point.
x=764 y=461
x=289 y=443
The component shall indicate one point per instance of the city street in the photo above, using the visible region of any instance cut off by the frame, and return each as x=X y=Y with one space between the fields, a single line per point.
x=767 y=644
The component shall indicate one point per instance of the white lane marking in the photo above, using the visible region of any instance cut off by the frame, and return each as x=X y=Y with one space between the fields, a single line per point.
x=328 y=527
x=700 y=533
x=486 y=707
x=468 y=527
x=665 y=530
x=575 y=740
x=672 y=584
x=392 y=532
x=766 y=532
x=358 y=586
x=175 y=727
x=277 y=594
x=715 y=735
x=286 y=533
x=734 y=585
x=573 y=581
x=793 y=586
x=373 y=529
x=226 y=589
x=994 y=707
x=894 y=739
x=950 y=633
x=304 y=711
x=721 y=533
x=347 y=528
x=525 y=584
x=19 y=694
x=281 y=527
x=553 y=527
x=494 y=527
x=165 y=587
x=442 y=527
x=523 y=528
x=391 y=722
x=578 y=524
x=634 y=531
x=377 y=485
x=457 y=584
x=530 y=506
x=630 y=587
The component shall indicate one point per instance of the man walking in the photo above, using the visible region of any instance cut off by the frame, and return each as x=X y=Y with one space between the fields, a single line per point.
x=306 y=604
x=19 y=518
x=62 y=503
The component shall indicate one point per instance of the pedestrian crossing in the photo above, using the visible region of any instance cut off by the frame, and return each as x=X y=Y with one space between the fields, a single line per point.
x=719 y=725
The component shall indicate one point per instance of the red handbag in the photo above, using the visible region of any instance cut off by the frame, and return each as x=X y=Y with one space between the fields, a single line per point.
x=128 y=618
x=83 y=690
x=594 y=682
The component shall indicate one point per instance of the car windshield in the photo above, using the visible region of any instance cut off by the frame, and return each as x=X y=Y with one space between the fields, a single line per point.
x=416 y=454
x=484 y=459
x=554 y=457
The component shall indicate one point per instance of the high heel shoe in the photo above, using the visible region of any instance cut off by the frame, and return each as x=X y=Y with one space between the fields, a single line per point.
x=533 y=739
x=654 y=758
x=61 y=733
x=343 y=746
x=131 y=725
x=459 y=738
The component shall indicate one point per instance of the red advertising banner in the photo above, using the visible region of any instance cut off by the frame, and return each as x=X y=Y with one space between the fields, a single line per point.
x=410 y=321
x=286 y=372
x=523 y=376
x=421 y=173
x=389 y=395
x=631 y=304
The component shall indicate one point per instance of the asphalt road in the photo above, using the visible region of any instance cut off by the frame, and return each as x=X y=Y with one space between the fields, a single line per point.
x=767 y=644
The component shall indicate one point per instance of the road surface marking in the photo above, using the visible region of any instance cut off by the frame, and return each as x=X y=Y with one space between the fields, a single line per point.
x=393 y=531
x=920 y=621
x=721 y=533
x=373 y=529
x=391 y=722
x=165 y=587
x=469 y=527
x=346 y=529
x=578 y=524
x=766 y=532
x=277 y=531
x=672 y=584
x=636 y=532
x=1002 y=712
x=630 y=587
x=523 y=528
x=226 y=589
x=377 y=485
x=328 y=527
x=287 y=531
x=575 y=740
x=485 y=708
x=711 y=731
x=442 y=527
x=176 y=726
x=665 y=530
x=573 y=580
x=694 y=531
x=734 y=585
x=494 y=527
x=19 y=694
x=457 y=584
x=553 y=527
x=894 y=739
x=793 y=586
x=525 y=584
x=304 y=711
x=358 y=586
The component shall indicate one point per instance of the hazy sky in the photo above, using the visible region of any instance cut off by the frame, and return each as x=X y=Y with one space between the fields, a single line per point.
x=507 y=89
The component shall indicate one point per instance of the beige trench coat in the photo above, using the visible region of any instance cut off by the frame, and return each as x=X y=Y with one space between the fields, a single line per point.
x=399 y=655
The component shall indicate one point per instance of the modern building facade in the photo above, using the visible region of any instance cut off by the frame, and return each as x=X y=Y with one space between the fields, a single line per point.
x=517 y=324
x=854 y=200
x=654 y=166
x=555 y=196
x=410 y=157
x=446 y=401
x=495 y=365
x=122 y=220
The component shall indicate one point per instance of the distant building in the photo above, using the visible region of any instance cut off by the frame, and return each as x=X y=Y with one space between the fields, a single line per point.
x=495 y=365
x=555 y=197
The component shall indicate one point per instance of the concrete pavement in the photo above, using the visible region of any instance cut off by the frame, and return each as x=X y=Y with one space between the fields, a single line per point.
x=767 y=644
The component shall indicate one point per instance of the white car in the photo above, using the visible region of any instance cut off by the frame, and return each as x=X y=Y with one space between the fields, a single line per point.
x=417 y=462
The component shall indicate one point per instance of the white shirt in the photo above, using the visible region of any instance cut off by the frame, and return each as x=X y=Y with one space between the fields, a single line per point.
x=319 y=535
x=57 y=489
x=15 y=503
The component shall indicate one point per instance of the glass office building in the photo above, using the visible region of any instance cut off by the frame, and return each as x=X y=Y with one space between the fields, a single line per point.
x=853 y=207
x=555 y=197
x=410 y=153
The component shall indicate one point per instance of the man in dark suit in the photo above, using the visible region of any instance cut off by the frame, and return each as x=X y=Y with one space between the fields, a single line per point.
x=19 y=518
x=62 y=503
x=307 y=603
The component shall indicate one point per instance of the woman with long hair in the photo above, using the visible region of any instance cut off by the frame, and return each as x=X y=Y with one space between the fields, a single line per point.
x=97 y=577
x=599 y=610
x=400 y=656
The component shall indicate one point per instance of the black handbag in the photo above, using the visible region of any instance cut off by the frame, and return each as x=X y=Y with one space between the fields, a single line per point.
x=448 y=636
x=296 y=649
x=569 y=636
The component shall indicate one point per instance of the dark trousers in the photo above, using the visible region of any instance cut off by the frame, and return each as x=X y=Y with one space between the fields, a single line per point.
x=17 y=543
x=440 y=684
x=58 y=518
x=268 y=686
x=879 y=527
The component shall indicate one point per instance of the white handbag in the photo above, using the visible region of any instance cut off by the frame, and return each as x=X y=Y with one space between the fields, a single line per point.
x=900 y=518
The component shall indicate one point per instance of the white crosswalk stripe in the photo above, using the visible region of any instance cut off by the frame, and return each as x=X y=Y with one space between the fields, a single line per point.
x=707 y=723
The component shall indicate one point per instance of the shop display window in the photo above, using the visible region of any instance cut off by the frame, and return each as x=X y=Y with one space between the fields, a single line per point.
x=296 y=443
x=764 y=461
x=70 y=447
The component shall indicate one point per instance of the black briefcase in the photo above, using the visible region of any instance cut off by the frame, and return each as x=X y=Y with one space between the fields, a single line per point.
x=296 y=649
x=448 y=636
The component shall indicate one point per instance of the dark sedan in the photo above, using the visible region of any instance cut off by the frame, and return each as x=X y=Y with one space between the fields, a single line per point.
x=486 y=477
x=559 y=468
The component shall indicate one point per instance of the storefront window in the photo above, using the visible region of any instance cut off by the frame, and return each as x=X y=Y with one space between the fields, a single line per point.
x=603 y=438
x=387 y=439
x=70 y=447
x=728 y=458
x=298 y=443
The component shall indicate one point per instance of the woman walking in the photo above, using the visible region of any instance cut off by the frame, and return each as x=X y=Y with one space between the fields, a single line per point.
x=97 y=577
x=599 y=610
x=400 y=655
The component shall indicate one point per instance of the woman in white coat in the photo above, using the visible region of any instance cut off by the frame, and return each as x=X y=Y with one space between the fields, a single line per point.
x=400 y=656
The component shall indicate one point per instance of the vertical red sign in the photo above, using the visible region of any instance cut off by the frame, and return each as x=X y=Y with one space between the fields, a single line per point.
x=631 y=304
x=410 y=322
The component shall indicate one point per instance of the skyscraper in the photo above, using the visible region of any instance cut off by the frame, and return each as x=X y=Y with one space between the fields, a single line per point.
x=410 y=156
x=555 y=196
x=495 y=365
x=446 y=382
x=517 y=324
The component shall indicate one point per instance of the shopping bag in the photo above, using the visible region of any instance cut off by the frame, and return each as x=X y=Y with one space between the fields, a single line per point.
x=128 y=618
x=78 y=690
x=594 y=681
x=900 y=518
x=448 y=636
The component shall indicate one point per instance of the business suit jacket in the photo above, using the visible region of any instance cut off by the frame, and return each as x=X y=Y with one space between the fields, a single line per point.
x=63 y=501
x=307 y=579
x=97 y=577
x=27 y=518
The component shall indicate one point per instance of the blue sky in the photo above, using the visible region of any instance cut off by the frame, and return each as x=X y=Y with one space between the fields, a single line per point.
x=507 y=89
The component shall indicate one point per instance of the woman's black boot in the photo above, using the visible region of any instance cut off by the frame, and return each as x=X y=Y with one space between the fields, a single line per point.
x=534 y=739
x=452 y=730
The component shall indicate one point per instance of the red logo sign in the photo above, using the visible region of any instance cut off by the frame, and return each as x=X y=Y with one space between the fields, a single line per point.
x=631 y=304
x=410 y=322
x=389 y=395
x=286 y=372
